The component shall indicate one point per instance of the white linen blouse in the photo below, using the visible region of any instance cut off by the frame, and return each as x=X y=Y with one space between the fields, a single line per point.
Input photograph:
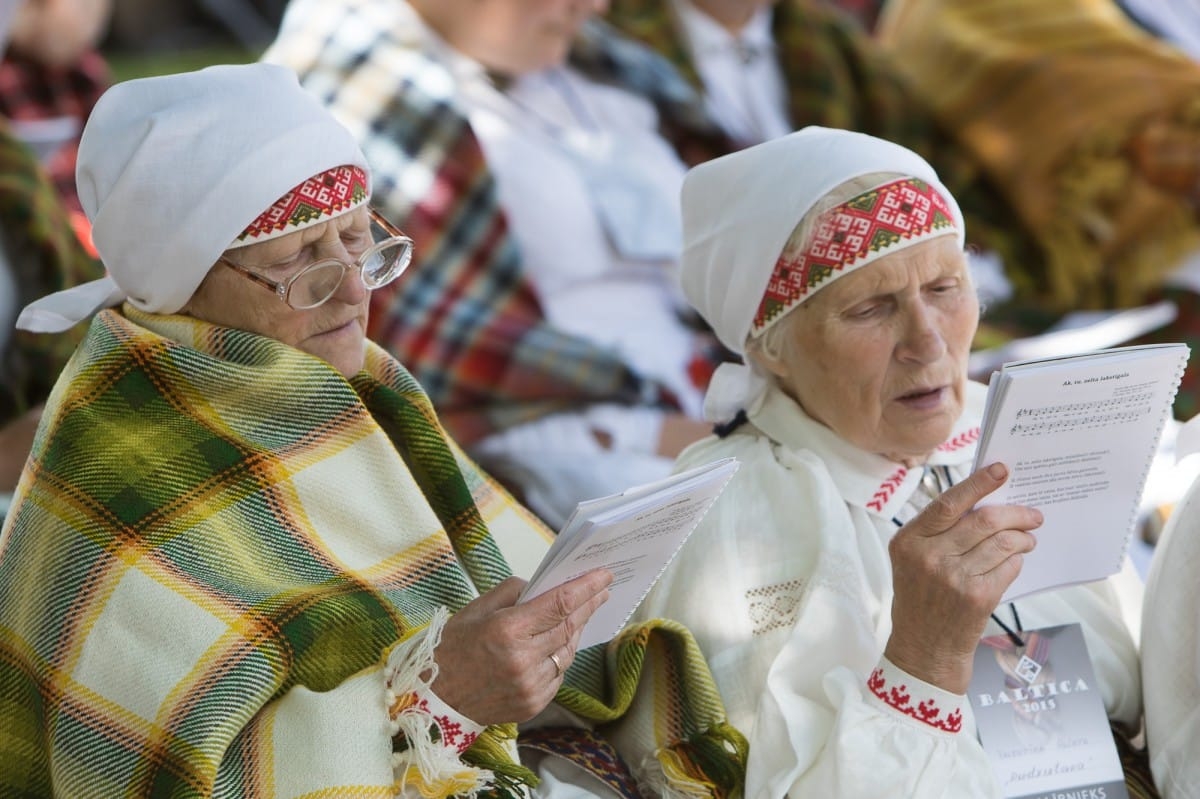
x=787 y=585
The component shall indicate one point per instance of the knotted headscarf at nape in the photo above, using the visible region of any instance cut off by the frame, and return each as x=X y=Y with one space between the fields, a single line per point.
x=173 y=169
x=740 y=216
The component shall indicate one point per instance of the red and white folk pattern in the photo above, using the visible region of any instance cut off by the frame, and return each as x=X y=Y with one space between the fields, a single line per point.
x=850 y=235
x=317 y=199
x=886 y=489
x=961 y=440
x=925 y=711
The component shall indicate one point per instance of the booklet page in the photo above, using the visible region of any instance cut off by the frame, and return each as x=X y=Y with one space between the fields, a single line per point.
x=634 y=535
x=1078 y=435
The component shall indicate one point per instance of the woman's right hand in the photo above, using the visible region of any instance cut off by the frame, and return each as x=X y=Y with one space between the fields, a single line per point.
x=494 y=663
x=950 y=566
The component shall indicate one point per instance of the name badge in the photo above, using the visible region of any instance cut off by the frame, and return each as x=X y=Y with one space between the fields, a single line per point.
x=1041 y=717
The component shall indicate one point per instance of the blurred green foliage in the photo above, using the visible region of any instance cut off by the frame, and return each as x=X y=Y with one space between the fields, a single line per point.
x=126 y=65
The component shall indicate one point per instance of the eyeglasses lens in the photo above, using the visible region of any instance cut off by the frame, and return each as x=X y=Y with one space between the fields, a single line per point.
x=316 y=285
x=384 y=262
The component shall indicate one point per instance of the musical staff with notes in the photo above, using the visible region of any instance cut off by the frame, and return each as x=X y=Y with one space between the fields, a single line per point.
x=1078 y=434
x=1093 y=415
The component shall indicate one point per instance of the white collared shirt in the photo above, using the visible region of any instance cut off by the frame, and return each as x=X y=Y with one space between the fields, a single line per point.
x=786 y=585
x=744 y=85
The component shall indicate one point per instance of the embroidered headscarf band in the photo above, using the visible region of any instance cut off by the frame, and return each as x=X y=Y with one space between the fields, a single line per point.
x=318 y=199
x=851 y=235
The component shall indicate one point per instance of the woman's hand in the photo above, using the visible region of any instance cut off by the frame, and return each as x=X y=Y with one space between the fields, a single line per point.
x=950 y=566
x=494 y=663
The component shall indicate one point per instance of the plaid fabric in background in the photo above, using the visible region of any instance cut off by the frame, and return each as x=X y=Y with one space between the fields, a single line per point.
x=30 y=92
x=465 y=318
x=46 y=257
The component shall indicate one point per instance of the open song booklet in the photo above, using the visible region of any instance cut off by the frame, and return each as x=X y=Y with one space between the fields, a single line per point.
x=634 y=535
x=1078 y=435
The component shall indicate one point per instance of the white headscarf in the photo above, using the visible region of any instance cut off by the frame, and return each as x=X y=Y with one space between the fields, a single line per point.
x=738 y=213
x=172 y=169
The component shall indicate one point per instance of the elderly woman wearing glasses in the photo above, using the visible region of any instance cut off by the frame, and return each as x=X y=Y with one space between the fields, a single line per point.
x=840 y=585
x=243 y=559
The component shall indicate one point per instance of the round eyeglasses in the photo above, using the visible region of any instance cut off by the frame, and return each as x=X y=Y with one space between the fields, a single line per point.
x=380 y=264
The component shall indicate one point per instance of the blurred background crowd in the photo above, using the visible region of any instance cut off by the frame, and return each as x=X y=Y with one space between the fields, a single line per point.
x=1070 y=134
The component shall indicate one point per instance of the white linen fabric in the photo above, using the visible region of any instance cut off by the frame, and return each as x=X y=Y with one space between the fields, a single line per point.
x=744 y=86
x=1171 y=651
x=172 y=131
x=787 y=586
x=737 y=217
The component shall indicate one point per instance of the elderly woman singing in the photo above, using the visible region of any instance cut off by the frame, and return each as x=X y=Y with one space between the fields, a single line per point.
x=841 y=584
x=243 y=559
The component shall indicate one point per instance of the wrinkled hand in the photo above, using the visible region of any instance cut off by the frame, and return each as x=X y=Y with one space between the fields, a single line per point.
x=494 y=662
x=950 y=566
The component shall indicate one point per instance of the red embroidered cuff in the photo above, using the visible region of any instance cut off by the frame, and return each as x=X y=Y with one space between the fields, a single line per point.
x=457 y=732
x=917 y=699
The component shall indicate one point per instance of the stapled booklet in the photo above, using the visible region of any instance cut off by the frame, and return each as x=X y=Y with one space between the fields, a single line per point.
x=634 y=535
x=1078 y=435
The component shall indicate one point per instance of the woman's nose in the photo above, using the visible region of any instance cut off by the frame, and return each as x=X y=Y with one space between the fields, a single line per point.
x=921 y=338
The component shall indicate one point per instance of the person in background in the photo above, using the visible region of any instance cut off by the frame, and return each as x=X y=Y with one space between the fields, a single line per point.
x=840 y=584
x=39 y=254
x=50 y=78
x=768 y=67
x=1090 y=127
x=244 y=559
x=535 y=157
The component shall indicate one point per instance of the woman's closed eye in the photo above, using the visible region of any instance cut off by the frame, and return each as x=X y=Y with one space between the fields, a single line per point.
x=355 y=241
x=868 y=310
x=948 y=288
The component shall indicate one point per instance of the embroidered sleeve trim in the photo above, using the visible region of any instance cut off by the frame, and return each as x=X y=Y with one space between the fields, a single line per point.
x=908 y=696
x=428 y=736
x=455 y=730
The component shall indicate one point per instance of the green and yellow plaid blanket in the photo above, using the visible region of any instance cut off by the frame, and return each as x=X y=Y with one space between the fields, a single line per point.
x=216 y=544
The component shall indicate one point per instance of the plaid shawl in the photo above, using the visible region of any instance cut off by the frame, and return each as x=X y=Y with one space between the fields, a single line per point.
x=837 y=77
x=1048 y=96
x=47 y=256
x=214 y=547
x=466 y=319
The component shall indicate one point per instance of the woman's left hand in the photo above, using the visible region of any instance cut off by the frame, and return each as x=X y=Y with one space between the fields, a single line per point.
x=950 y=566
x=500 y=662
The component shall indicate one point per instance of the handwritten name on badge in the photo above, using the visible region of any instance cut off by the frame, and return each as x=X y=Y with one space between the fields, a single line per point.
x=1040 y=721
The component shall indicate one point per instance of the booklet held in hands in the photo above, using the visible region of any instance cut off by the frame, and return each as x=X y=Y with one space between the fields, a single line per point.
x=1078 y=435
x=634 y=535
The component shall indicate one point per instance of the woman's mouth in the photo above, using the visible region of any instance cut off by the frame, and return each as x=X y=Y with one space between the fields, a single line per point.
x=923 y=398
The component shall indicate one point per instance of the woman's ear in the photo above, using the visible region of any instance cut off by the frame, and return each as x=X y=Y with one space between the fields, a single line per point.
x=769 y=361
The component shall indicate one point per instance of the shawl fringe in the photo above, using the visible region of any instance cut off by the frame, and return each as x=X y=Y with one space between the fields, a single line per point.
x=421 y=762
x=711 y=765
